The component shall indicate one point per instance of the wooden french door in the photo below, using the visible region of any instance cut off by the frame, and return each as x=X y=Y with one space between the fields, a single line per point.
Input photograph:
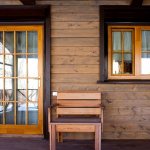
x=21 y=82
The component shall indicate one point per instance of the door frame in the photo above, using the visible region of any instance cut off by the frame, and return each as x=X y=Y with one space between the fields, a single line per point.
x=34 y=15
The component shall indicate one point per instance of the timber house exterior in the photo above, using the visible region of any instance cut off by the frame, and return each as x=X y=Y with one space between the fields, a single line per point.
x=48 y=46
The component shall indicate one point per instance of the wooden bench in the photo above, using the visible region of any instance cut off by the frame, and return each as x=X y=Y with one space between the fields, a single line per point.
x=76 y=112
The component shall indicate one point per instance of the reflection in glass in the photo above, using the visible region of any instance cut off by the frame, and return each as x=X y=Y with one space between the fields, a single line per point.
x=9 y=42
x=32 y=90
x=9 y=67
x=1 y=65
x=145 y=40
x=9 y=89
x=1 y=113
x=1 y=42
x=32 y=113
x=128 y=63
x=145 y=61
x=1 y=89
x=117 y=63
x=32 y=42
x=9 y=113
x=21 y=90
x=21 y=41
x=32 y=66
x=21 y=112
x=21 y=65
x=127 y=41
x=116 y=36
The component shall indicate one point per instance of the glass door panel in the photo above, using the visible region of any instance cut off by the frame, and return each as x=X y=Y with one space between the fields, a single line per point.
x=20 y=90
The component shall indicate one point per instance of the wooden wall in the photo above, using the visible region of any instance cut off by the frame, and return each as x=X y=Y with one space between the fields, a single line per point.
x=75 y=66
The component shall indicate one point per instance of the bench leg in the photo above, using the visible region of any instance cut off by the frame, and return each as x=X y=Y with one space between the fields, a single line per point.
x=98 y=137
x=60 y=137
x=52 y=137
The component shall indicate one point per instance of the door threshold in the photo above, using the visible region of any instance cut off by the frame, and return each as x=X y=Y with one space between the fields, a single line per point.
x=22 y=135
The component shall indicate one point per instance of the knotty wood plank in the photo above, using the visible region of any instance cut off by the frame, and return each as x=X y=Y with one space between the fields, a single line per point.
x=75 y=33
x=75 y=69
x=75 y=42
x=75 y=78
x=75 y=25
x=75 y=51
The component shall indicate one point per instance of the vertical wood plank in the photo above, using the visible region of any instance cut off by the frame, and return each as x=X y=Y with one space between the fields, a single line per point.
x=98 y=137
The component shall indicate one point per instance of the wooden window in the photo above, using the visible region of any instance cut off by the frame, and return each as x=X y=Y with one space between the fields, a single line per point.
x=128 y=52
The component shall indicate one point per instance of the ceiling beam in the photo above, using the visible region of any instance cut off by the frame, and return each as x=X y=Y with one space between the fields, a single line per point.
x=136 y=3
x=28 y=2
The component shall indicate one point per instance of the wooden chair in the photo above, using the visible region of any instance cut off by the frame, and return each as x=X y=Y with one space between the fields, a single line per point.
x=76 y=112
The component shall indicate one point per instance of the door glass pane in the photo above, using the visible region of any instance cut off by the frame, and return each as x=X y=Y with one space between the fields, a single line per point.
x=1 y=65
x=9 y=113
x=32 y=66
x=127 y=41
x=21 y=112
x=32 y=113
x=9 y=66
x=21 y=90
x=9 y=42
x=128 y=63
x=1 y=113
x=117 y=63
x=21 y=42
x=32 y=90
x=32 y=42
x=145 y=40
x=1 y=42
x=145 y=61
x=116 y=36
x=9 y=89
x=21 y=65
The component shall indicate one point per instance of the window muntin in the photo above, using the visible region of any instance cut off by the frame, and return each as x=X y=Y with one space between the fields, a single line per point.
x=128 y=52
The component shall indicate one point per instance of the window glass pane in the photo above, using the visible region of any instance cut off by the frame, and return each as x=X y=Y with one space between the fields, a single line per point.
x=9 y=66
x=9 y=42
x=1 y=42
x=145 y=40
x=21 y=65
x=128 y=63
x=21 y=112
x=9 y=113
x=145 y=61
x=117 y=63
x=1 y=113
x=33 y=113
x=32 y=42
x=21 y=90
x=1 y=65
x=32 y=66
x=1 y=89
x=21 y=42
x=33 y=90
x=127 y=41
x=9 y=89
x=116 y=36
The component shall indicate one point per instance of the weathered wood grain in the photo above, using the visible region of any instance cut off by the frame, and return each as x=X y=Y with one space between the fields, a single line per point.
x=75 y=42
x=75 y=33
x=75 y=51
x=75 y=25
x=66 y=60
x=75 y=69
x=75 y=78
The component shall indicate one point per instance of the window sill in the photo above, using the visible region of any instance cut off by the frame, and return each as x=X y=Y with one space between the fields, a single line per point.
x=124 y=82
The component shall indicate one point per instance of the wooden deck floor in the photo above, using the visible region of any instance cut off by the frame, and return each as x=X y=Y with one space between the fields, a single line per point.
x=40 y=144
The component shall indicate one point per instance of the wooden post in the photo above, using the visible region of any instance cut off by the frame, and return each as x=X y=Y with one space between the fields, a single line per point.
x=52 y=137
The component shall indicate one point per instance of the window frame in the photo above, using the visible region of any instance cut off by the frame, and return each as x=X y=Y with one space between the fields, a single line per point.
x=119 y=16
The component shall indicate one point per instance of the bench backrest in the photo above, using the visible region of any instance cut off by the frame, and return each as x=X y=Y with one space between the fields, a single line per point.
x=78 y=104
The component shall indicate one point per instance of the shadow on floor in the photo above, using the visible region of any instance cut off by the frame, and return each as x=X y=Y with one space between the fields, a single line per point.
x=41 y=144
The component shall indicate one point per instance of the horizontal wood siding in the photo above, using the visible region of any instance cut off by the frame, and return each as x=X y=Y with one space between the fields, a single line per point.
x=75 y=66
